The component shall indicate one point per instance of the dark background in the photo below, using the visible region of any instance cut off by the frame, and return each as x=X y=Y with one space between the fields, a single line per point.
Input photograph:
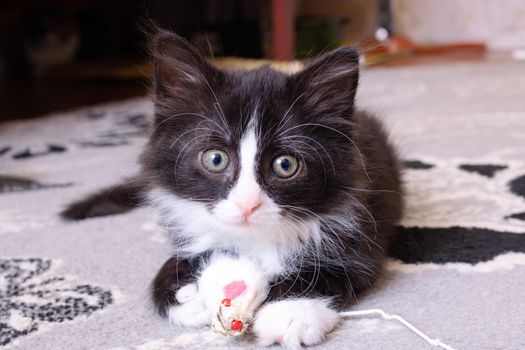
x=60 y=54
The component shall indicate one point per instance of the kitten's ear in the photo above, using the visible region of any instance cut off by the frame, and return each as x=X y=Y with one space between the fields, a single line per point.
x=179 y=70
x=330 y=82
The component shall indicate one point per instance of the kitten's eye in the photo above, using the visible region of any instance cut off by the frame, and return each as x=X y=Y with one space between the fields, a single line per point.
x=285 y=166
x=215 y=160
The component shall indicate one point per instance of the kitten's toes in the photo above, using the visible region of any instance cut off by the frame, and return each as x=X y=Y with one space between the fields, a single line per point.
x=187 y=293
x=192 y=313
x=293 y=323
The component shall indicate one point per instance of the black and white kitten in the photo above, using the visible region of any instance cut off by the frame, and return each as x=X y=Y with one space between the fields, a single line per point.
x=271 y=179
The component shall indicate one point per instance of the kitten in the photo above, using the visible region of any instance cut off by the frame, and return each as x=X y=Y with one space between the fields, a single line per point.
x=274 y=180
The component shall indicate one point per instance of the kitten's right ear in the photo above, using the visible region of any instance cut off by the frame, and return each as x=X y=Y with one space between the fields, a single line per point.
x=179 y=70
x=329 y=82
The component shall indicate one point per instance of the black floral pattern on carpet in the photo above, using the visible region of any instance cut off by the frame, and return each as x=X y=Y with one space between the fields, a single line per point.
x=517 y=186
x=30 y=296
x=19 y=184
x=417 y=164
x=488 y=170
x=414 y=245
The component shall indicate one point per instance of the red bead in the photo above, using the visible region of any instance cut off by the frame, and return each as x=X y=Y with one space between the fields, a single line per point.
x=226 y=302
x=236 y=325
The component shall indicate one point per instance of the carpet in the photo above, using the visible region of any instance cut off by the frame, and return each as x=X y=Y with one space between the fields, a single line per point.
x=457 y=266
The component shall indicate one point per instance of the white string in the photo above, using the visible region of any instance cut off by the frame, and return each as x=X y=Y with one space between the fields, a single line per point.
x=387 y=316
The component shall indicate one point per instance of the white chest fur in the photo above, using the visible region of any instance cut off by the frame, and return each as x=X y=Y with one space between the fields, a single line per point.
x=268 y=244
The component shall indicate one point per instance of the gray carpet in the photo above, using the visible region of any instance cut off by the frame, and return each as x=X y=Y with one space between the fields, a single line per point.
x=457 y=269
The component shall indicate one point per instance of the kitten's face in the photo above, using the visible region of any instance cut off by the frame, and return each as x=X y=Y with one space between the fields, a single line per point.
x=255 y=154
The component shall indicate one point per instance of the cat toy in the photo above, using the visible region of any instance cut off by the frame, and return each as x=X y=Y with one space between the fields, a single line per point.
x=378 y=312
x=229 y=322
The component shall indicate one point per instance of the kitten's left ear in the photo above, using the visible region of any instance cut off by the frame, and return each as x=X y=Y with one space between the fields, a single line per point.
x=179 y=70
x=329 y=83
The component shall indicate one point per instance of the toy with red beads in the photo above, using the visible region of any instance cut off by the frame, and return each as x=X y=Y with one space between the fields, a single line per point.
x=229 y=320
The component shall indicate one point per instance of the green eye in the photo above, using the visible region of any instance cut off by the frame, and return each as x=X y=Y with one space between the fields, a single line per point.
x=215 y=160
x=285 y=166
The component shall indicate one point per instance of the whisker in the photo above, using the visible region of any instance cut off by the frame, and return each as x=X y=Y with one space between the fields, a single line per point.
x=334 y=130
x=188 y=114
x=318 y=143
x=182 y=151
x=284 y=119
x=186 y=132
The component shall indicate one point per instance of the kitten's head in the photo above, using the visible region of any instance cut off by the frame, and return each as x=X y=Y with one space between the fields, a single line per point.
x=249 y=155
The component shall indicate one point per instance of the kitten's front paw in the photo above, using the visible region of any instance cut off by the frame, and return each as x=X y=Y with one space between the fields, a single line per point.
x=193 y=313
x=294 y=322
x=187 y=293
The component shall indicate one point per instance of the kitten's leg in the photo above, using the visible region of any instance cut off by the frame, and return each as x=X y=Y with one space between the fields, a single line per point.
x=294 y=322
x=175 y=294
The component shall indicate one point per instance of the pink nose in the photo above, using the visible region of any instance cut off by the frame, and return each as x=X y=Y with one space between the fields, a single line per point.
x=248 y=206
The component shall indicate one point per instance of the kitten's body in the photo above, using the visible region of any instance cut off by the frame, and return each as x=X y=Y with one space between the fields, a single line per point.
x=308 y=243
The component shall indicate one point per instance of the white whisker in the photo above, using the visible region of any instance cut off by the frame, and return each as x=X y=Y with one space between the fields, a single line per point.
x=334 y=130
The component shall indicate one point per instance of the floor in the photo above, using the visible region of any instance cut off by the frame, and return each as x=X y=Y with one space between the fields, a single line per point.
x=457 y=266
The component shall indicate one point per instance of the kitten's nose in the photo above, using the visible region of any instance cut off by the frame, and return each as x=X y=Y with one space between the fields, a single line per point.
x=248 y=205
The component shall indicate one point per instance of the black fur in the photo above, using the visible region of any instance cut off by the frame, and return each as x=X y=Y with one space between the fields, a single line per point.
x=171 y=276
x=110 y=201
x=346 y=158
x=348 y=174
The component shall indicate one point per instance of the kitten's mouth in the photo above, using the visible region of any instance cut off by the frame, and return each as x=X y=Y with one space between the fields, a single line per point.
x=247 y=221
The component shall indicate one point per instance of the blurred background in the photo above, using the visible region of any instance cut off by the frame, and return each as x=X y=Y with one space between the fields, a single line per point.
x=61 y=54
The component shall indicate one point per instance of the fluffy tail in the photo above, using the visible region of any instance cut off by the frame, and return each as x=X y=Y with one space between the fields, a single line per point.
x=117 y=199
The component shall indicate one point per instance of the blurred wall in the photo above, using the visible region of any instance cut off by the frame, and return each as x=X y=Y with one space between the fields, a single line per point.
x=498 y=23
x=362 y=15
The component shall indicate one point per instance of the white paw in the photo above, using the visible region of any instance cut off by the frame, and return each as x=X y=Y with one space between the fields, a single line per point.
x=187 y=293
x=295 y=322
x=192 y=313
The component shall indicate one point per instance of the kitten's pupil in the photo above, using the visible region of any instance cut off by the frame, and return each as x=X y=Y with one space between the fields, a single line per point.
x=216 y=159
x=285 y=164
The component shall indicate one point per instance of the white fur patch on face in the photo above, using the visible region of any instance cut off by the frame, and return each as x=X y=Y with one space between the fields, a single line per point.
x=246 y=197
x=247 y=190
